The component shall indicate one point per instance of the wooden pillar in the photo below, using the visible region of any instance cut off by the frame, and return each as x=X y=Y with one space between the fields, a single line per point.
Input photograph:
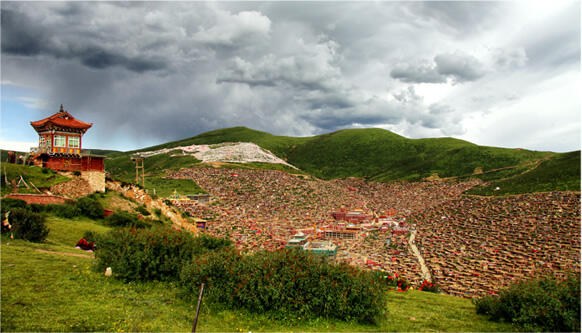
x=138 y=166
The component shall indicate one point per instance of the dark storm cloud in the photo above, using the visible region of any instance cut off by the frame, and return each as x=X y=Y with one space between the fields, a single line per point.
x=329 y=101
x=98 y=58
x=149 y=72
x=22 y=36
x=370 y=113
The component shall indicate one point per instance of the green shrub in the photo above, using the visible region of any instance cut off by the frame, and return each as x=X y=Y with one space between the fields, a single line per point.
x=8 y=204
x=28 y=225
x=142 y=210
x=90 y=207
x=125 y=219
x=90 y=236
x=68 y=211
x=287 y=283
x=150 y=254
x=544 y=303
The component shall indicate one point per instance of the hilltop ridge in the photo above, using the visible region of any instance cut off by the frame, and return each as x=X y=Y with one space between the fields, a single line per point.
x=371 y=153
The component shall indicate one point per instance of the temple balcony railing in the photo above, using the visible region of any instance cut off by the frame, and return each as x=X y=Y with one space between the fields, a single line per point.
x=40 y=150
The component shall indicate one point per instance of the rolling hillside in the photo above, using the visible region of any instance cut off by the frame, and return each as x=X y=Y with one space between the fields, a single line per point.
x=374 y=154
x=561 y=173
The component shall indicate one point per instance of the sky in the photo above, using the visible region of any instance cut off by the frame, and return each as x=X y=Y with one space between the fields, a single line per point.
x=504 y=74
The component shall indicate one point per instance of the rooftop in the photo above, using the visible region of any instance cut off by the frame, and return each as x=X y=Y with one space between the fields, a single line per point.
x=61 y=119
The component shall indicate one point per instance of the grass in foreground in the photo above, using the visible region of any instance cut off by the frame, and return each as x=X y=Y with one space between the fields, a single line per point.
x=52 y=287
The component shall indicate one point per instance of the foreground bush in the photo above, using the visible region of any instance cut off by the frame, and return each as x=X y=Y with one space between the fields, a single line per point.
x=28 y=225
x=544 y=303
x=125 y=219
x=8 y=204
x=66 y=210
x=90 y=207
x=287 y=283
x=150 y=254
x=60 y=210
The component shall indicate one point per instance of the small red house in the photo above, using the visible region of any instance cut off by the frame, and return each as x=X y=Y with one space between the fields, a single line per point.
x=59 y=144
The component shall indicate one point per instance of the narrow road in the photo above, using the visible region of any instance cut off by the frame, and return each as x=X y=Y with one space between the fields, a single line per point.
x=425 y=272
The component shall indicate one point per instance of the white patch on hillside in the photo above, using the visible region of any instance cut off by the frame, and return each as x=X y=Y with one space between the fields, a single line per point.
x=234 y=152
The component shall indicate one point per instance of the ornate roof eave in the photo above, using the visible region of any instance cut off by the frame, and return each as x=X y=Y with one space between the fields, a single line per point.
x=52 y=127
x=61 y=119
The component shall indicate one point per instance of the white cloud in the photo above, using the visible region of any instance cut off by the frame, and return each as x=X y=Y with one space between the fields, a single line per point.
x=510 y=58
x=23 y=146
x=33 y=103
x=231 y=29
x=459 y=66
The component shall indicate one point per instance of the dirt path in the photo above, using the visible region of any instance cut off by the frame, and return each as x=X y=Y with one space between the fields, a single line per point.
x=535 y=163
x=423 y=268
x=68 y=254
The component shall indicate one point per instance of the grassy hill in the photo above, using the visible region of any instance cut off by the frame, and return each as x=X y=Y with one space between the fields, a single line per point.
x=52 y=286
x=374 y=154
x=381 y=155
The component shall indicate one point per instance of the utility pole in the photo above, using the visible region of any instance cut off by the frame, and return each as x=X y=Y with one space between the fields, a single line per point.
x=198 y=307
x=138 y=166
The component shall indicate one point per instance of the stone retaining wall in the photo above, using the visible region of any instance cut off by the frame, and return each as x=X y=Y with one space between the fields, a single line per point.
x=44 y=199
x=74 y=188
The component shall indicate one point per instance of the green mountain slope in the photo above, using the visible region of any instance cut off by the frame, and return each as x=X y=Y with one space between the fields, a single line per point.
x=381 y=155
x=375 y=154
x=561 y=173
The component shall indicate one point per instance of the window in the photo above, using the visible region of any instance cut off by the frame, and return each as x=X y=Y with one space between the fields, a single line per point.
x=60 y=141
x=73 y=142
